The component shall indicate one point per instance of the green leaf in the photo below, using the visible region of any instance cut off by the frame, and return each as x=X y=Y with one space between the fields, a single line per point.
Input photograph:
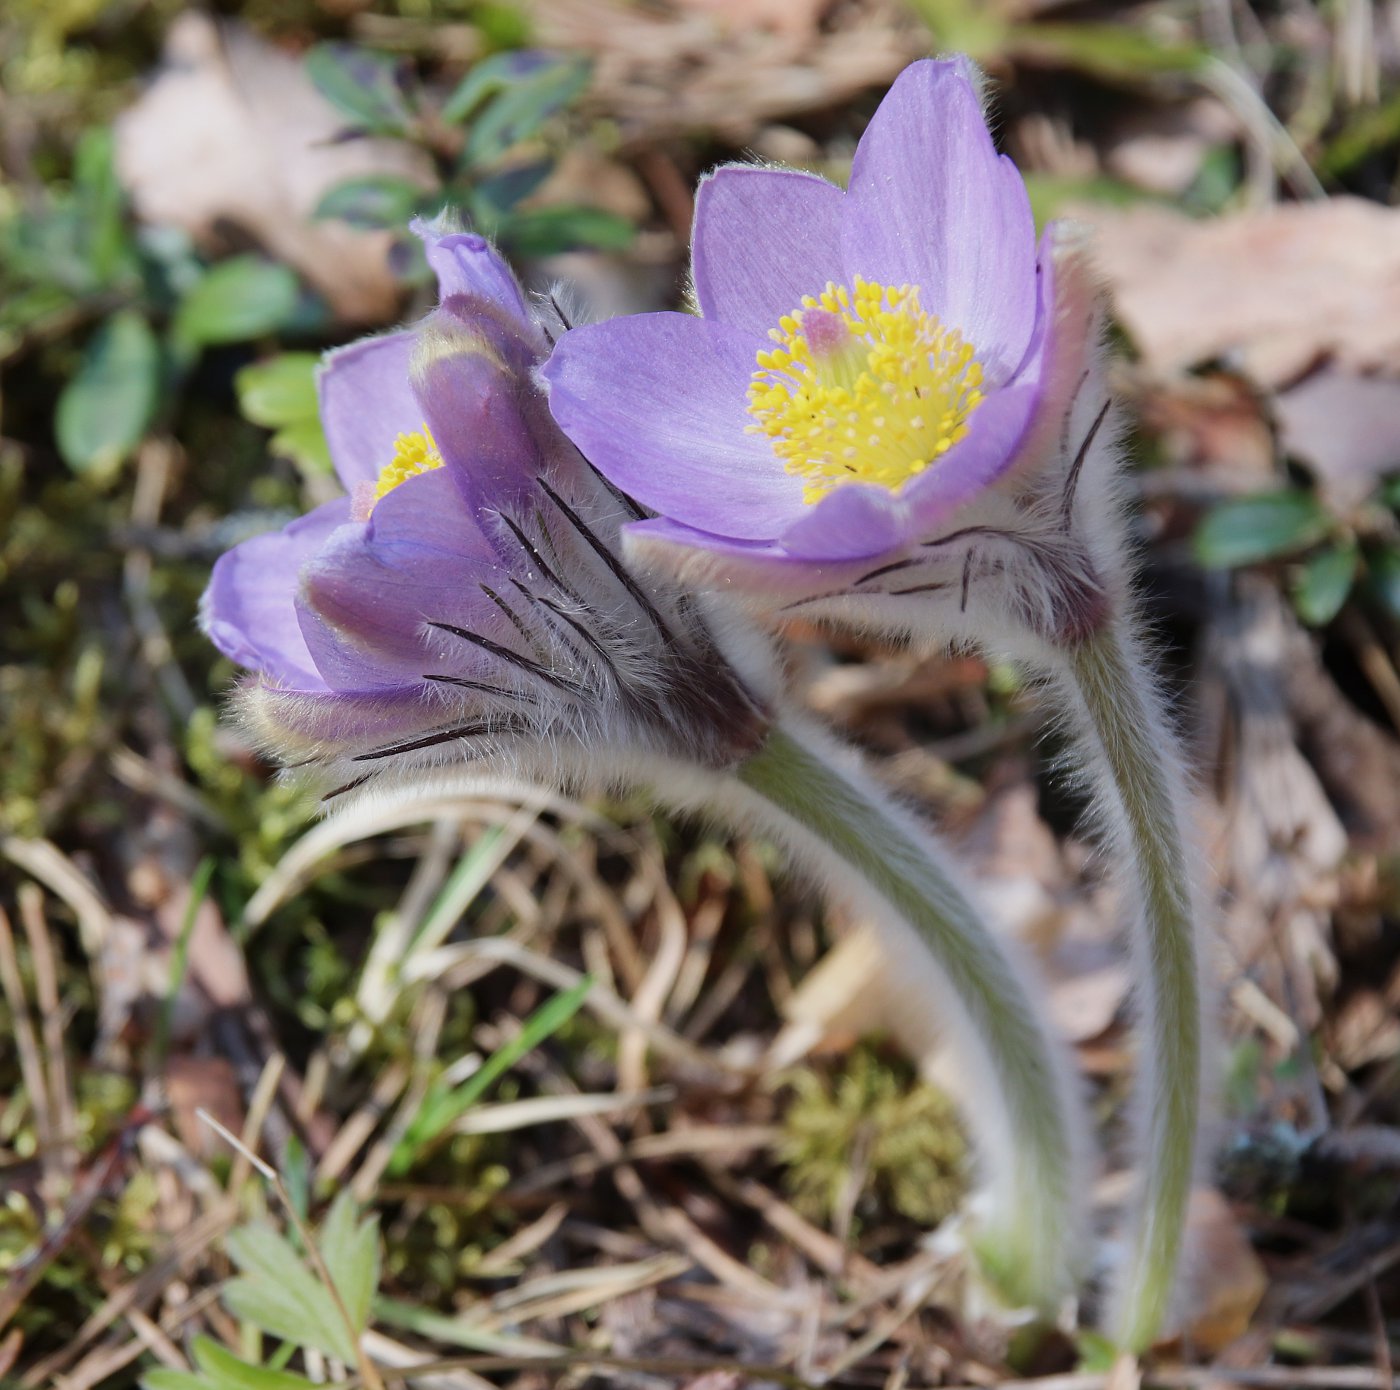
x=1049 y=192
x=305 y=444
x=282 y=1296
x=100 y=204
x=1389 y=492
x=1366 y=132
x=1323 y=582
x=376 y=200
x=1383 y=579
x=166 y=1378
x=488 y=77
x=230 y=1373
x=1244 y=530
x=1096 y=1352
x=544 y=231
x=1115 y=52
x=521 y=105
x=502 y=24
x=965 y=26
x=296 y=1176
x=498 y=193
x=361 y=85
x=459 y=1331
x=245 y=297
x=1216 y=182
x=105 y=409
x=280 y=390
x=280 y=393
x=350 y=1249
x=440 y=1108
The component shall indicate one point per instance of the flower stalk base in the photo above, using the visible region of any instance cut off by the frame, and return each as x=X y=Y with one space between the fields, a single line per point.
x=1021 y=1100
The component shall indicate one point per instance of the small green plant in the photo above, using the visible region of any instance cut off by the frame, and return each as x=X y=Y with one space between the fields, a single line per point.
x=317 y=1298
x=73 y=264
x=1333 y=559
x=488 y=142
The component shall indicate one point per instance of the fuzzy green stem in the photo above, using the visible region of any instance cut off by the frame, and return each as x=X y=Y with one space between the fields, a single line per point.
x=1024 y=1107
x=1128 y=734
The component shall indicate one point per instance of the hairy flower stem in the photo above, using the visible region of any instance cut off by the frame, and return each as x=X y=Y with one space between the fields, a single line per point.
x=1103 y=679
x=1021 y=1100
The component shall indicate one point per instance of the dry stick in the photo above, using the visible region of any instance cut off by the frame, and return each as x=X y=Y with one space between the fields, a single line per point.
x=148 y=1285
x=684 y=1370
x=64 y=1120
x=31 y=1066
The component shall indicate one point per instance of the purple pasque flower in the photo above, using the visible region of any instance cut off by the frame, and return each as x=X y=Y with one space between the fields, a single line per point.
x=867 y=361
x=465 y=600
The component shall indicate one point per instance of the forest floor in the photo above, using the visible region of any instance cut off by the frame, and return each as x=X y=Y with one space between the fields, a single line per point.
x=572 y=1093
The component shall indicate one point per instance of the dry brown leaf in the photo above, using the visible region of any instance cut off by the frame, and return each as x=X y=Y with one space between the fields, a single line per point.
x=798 y=18
x=1211 y=422
x=666 y=71
x=233 y=132
x=1365 y=1030
x=1224 y=1280
x=1282 y=842
x=1273 y=291
x=211 y=1084
x=1347 y=428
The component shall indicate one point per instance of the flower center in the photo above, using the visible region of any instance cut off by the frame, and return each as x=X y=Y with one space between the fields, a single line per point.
x=864 y=386
x=413 y=454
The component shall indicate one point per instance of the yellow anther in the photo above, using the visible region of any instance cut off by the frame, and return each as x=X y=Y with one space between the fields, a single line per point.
x=413 y=454
x=874 y=391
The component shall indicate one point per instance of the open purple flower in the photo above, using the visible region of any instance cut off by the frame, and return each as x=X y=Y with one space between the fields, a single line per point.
x=867 y=362
x=464 y=598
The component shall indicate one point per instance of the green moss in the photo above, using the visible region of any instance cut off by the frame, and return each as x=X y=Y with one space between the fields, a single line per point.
x=874 y=1119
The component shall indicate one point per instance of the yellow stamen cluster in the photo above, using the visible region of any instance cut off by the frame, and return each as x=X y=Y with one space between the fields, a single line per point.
x=413 y=454
x=864 y=386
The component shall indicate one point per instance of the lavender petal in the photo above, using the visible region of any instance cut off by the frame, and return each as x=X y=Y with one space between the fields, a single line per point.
x=657 y=403
x=932 y=204
x=366 y=403
x=248 y=610
x=763 y=239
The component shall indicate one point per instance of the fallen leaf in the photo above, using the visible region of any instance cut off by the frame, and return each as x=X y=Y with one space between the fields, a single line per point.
x=1224 y=1280
x=799 y=18
x=1273 y=292
x=232 y=132
x=1281 y=843
x=1347 y=428
x=664 y=71
x=203 y=1083
x=1365 y=1030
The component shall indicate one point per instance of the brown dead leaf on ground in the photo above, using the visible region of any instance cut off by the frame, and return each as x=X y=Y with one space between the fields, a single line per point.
x=233 y=132
x=1346 y=428
x=798 y=18
x=724 y=67
x=1209 y=424
x=1273 y=292
x=1280 y=842
x=1224 y=1281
